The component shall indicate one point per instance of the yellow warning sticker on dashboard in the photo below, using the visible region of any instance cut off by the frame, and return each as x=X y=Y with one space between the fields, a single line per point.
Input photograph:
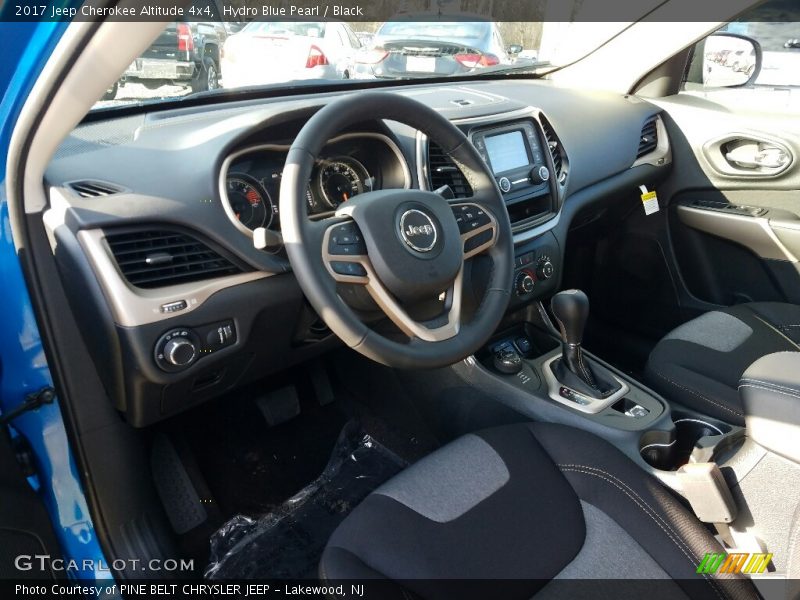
x=650 y=201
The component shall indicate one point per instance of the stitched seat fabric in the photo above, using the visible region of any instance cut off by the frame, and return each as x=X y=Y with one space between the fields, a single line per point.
x=699 y=363
x=535 y=510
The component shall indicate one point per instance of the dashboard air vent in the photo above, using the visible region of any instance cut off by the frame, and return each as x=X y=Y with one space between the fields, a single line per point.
x=556 y=151
x=443 y=171
x=160 y=258
x=93 y=189
x=648 y=141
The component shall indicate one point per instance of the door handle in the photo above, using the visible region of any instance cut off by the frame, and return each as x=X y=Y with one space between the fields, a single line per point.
x=758 y=155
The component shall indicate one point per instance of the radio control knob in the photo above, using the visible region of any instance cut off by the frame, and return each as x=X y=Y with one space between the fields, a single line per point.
x=524 y=283
x=539 y=174
x=545 y=269
x=179 y=351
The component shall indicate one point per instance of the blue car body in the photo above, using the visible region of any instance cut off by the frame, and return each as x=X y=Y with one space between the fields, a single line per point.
x=23 y=366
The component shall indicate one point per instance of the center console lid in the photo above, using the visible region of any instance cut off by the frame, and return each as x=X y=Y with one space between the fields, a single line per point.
x=770 y=392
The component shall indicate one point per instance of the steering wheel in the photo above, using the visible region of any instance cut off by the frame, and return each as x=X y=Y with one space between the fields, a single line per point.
x=404 y=246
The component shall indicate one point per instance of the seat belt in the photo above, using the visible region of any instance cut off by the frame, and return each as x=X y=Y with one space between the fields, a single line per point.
x=704 y=486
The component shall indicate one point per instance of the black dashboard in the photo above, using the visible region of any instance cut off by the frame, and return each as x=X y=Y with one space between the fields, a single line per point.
x=152 y=219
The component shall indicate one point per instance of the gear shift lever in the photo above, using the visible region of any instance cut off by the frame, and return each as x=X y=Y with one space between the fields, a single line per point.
x=571 y=310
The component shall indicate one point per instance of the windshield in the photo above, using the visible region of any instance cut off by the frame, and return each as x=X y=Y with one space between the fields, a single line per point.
x=292 y=28
x=434 y=30
x=201 y=57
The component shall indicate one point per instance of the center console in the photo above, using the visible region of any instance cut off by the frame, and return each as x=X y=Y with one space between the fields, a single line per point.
x=538 y=367
x=521 y=157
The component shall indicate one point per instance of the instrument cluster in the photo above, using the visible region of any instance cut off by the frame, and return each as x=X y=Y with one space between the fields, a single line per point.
x=349 y=166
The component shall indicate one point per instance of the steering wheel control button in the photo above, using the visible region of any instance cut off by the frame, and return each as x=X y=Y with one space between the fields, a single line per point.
x=346 y=240
x=505 y=184
x=470 y=217
x=348 y=268
x=484 y=237
x=418 y=230
x=173 y=307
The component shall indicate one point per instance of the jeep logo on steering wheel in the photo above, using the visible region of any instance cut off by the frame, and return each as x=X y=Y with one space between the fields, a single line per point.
x=418 y=231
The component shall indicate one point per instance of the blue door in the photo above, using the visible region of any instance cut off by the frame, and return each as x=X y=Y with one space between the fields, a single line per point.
x=46 y=498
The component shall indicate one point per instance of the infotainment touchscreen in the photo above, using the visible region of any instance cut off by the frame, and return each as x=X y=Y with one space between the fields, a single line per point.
x=506 y=151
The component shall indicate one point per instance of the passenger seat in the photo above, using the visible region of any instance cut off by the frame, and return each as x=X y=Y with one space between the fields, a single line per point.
x=699 y=363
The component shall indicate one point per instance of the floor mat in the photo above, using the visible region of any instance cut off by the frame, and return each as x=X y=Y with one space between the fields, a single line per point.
x=287 y=542
x=250 y=468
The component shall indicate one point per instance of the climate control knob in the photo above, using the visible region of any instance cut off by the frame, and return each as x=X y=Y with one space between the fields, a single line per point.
x=524 y=283
x=545 y=269
x=179 y=351
x=539 y=175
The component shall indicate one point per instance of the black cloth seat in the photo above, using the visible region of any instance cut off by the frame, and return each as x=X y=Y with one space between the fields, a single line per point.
x=699 y=363
x=521 y=511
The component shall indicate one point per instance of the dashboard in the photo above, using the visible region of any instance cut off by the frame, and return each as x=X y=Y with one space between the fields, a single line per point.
x=152 y=219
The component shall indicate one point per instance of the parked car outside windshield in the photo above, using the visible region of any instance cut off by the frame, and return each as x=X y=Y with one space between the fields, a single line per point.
x=427 y=49
x=273 y=52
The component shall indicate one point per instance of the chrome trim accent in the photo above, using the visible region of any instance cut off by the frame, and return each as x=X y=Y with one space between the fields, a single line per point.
x=407 y=235
x=687 y=420
x=643 y=448
x=223 y=172
x=131 y=306
x=597 y=404
x=754 y=233
x=534 y=232
x=662 y=155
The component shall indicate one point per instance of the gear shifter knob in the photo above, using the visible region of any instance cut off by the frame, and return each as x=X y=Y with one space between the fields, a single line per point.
x=571 y=309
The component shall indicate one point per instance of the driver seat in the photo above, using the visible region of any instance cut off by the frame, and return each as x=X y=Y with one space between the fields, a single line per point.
x=521 y=511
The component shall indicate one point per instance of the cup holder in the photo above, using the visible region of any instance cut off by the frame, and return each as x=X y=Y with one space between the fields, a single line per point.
x=668 y=450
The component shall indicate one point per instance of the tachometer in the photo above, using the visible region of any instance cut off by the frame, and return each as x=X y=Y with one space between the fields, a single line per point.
x=250 y=202
x=340 y=179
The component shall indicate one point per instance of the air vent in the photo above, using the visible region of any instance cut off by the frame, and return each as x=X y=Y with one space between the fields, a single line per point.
x=648 y=141
x=93 y=189
x=556 y=151
x=443 y=171
x=160 y=258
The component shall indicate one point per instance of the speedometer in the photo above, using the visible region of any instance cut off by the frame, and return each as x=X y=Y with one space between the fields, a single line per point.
x=250 y=202
x=341 y=179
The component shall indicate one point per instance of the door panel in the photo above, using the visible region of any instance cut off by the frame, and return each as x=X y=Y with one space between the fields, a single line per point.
x=734 y=204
